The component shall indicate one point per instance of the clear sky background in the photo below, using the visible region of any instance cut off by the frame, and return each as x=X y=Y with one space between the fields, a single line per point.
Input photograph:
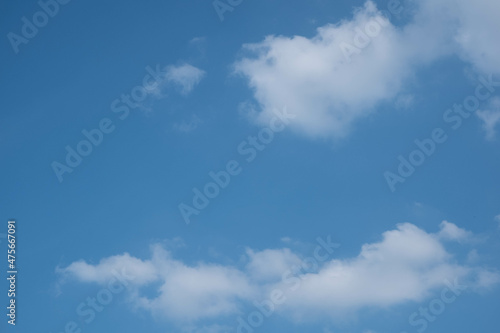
x=361 y=87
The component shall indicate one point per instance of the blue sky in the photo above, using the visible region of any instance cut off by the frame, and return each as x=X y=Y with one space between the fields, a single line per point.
x=368 y=125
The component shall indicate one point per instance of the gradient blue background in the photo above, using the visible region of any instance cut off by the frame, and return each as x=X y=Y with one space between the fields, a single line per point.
x=125 y=194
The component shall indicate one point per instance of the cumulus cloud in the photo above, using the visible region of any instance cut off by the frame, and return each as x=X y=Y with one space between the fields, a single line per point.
x=348 y=69
x=326 y=86
x=185 y=293
x=185 y=76
x=407 y=264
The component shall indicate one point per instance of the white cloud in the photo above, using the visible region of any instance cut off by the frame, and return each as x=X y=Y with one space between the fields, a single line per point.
x=326 y=90
x=348 y=69
x=452 y=232
x=270 y=264
x=185 y=76
x=490 y=118
x=404 y=266
x=141 y=271
x=477 y=33
x=407 y=264
x=186 y=292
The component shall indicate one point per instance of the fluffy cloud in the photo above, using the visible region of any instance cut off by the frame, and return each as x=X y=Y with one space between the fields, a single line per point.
x=326 y=86
x=452 y=232
x=347 y=69
x=405 y=265
x=270 y=264
x=185 y=76
x=141 y=271
x=185 y=293
x=202 y=291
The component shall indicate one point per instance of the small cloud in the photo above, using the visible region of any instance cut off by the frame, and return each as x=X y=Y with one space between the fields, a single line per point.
x=450 y=231
x=185 y=76
x=497 y=218
x=486 y=279
x=270 y=264
x=188 y=126
x=490 y=118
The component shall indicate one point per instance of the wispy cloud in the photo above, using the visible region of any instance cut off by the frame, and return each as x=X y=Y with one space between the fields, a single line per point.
x=184 y=76
x=490 y=118
x=186 y=126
